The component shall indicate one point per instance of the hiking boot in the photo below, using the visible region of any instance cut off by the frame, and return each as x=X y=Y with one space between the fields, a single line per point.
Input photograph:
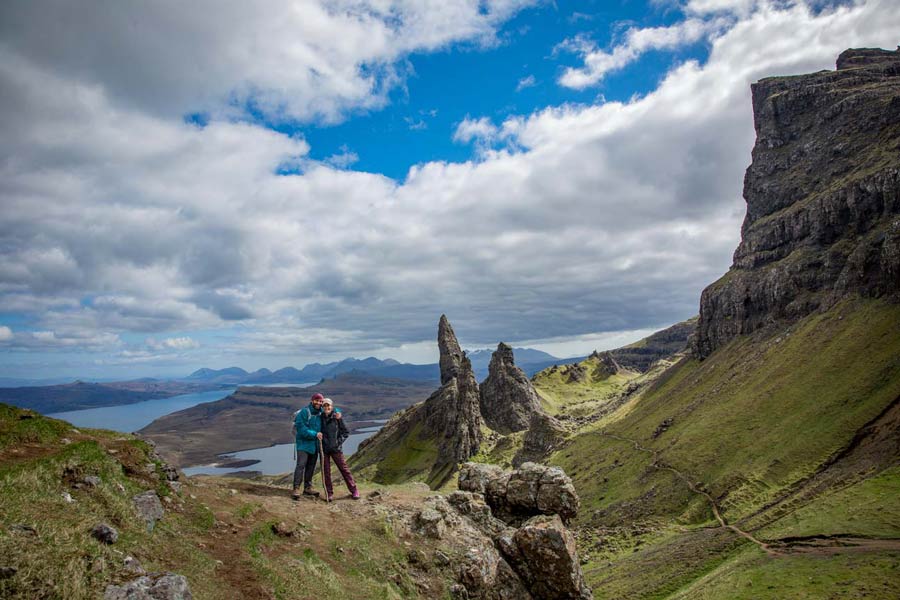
x=330 y=497
x=295 y=494
x=310 y=492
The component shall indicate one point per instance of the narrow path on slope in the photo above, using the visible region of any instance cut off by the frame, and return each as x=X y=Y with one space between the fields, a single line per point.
x=657 y=463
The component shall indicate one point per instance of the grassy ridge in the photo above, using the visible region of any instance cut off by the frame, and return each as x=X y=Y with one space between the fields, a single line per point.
x=747 y=425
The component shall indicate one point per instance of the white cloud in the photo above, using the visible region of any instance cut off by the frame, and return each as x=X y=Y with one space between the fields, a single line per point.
x=702 y=7
x=343 y=159
x=604 y=218
x=173 y=343
x=6 y=333
x=526 y=82
x=469 y=130
x=597 y=63
x=302 y=59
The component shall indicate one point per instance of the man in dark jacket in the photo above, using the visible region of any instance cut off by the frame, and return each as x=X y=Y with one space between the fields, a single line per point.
x=334 y=434
x=308 y=432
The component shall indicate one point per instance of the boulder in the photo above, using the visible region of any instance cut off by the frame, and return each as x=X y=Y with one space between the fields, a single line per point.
x=543 y=554
x=507 y=398
x=162 y=586
x=105 y=533
x=148 y=507
x=514 y=496
x=474 y=477
x=91 y=481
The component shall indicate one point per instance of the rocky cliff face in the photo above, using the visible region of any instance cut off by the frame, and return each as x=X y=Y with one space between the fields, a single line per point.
x=508 y=399
x=823 y=199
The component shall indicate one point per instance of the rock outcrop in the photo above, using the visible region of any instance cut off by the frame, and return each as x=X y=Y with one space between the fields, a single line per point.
x=515 y=496
x=543 y=553
x=663 y=344
x=430 y=438
x=545 y=434
x=498 y=557
x=452 y=413
x=823 y=199
x=527 y=555
x=508 y=400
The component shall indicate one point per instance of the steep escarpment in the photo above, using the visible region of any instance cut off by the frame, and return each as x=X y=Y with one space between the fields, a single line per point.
x=823 y=199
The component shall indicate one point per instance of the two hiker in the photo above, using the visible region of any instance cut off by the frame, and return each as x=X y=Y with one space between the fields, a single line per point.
x=320 y=425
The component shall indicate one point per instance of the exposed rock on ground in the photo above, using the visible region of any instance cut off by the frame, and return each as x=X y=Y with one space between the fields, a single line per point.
x=515 y=496
x=543 y=553
x=540 y=556
x=165 y=586
x=823 y=199
x=508 y=400
x=149 y=508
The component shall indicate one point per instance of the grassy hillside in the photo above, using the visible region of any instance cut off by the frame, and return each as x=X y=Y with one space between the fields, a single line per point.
x=562 y=393
x=232 y=539
x=787 y=435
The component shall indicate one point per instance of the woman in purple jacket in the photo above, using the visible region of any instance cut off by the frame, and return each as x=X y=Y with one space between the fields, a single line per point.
x=334 y=433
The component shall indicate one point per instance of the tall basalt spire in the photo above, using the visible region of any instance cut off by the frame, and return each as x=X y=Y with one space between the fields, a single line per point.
x=452 y=412
x=450 y=352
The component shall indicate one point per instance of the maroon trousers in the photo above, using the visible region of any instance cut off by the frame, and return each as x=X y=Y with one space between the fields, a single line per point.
x=338 y=458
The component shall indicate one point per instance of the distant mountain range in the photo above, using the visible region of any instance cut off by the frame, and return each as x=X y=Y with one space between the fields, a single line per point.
x=529 y=360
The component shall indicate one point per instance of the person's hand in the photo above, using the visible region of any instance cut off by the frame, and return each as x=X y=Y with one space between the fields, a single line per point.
x=337 y=415
x=319 y=436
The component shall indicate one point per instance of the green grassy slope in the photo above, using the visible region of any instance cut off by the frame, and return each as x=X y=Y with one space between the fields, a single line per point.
x=579 y=398
x=750 y=426
x=232 y=539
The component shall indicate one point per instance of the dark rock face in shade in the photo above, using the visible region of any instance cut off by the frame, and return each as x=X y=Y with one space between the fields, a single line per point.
x=452 y=412
x=508 y=399
x=451 y=354
x=823 y=199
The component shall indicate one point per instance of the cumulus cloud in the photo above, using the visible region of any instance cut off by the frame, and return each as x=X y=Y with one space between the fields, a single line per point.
x=577 y=220
x=470 y=130
x=173 y=343
x=302 y=59
x=597 y=62
x=6 y=333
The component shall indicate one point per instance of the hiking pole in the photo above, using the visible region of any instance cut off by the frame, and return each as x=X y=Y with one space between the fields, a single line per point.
x=322 y=454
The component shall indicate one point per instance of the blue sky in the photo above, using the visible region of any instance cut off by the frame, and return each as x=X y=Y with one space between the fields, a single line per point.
x=517 y=74
x=215 y=185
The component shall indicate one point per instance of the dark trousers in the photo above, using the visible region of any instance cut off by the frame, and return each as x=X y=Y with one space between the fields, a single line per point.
x=306 y=466
x=338 y=458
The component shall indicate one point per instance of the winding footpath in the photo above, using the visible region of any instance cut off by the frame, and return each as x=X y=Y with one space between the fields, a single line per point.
x=657 y=463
